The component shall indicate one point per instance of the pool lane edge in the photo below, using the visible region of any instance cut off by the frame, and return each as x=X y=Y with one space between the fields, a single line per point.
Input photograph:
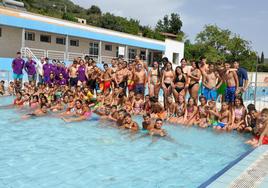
x=225 y=169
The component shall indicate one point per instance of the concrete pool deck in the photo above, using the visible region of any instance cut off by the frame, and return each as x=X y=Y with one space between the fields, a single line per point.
x=250 y=170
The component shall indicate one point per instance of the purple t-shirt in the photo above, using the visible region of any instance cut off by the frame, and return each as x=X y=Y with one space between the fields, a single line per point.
x=30 y=67
x=62 y=82
x=47 y=69
x=17 y=65
x=51 y=81
x=82 y=73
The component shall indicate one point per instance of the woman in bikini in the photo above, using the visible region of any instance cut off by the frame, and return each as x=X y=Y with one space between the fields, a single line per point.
x=178 y=87
x=154 y=80
x=194 y=78
x=167 y=80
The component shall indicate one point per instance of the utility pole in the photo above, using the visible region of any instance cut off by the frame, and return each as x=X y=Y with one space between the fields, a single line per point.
x=256 y=77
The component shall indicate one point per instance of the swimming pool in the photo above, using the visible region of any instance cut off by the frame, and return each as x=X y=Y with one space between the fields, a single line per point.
x=46 y=152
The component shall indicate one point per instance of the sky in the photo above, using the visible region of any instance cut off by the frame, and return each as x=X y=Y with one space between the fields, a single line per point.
x=247 y=18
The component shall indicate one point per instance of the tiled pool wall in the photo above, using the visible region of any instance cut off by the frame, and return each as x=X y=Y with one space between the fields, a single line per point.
x=229 y=175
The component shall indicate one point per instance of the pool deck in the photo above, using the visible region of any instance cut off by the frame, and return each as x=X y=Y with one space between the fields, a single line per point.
x=249 y=170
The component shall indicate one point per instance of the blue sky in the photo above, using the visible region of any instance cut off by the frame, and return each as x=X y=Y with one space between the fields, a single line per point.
x=247 y=18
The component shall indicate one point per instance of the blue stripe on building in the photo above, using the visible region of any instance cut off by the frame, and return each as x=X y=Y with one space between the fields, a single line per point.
x=66 y=30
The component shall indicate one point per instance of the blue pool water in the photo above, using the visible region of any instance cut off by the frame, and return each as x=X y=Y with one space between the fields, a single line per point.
x=46 y=152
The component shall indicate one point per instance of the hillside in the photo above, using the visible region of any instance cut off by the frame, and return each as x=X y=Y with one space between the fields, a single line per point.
x=66 y=9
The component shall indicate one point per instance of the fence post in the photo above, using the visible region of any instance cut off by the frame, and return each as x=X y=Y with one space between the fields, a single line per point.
x=256 y=77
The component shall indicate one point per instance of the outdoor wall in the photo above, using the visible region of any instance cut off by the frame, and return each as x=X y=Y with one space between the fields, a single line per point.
x=10 y=41
x=107 y=52
x=174 y=47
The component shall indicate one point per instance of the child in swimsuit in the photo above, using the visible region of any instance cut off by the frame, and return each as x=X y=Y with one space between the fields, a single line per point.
x=179 y=111
x=239 y=114
x=225 y=117
x=171 y=108
x=137 y=105
x=212 y=114
x=202 y=113
x=191 y=112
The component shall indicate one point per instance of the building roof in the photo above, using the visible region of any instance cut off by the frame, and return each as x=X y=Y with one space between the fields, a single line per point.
x=20 y=19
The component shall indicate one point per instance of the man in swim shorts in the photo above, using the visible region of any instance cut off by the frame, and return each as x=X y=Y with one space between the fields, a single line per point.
x=231 y=80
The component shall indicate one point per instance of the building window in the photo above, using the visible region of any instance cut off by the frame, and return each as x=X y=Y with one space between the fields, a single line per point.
x=143 y=55
x=45 y=38
x=60 y=41
x=94 y=48
x=108 y=47
x=132 y=53
x=30 y=36
x=0 y=32
x=74 y=42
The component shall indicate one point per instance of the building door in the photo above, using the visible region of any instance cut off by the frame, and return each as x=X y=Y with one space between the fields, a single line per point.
x=175 y=58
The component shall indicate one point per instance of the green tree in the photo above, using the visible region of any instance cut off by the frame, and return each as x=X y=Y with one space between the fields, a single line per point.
x=170 y=25
x=94 y=10
x=221 y=45
x=262 y=58
x=69 y=16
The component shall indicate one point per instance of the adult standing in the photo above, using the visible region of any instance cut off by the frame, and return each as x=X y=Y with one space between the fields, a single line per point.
x=47 y=68
x=30 y=69
x=242 y=78
x=17 y=67
x=40 y=70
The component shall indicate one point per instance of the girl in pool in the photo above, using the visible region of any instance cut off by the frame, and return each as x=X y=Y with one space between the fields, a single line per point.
x=239 y=114
x=84 y=114
x=18 y=102
x=171 y=108
x=154 y=78
x=190 y=112
x=34 y=102
x=137 y=105
x=147 y=105
x=180 y=111
x=179 y=83
x=202 y=113
x=225 y=117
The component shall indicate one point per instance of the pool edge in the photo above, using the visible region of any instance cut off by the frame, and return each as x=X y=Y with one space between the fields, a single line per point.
x=225 y=169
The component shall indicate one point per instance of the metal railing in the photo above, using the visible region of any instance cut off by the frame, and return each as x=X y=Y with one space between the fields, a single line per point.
x=53 y=54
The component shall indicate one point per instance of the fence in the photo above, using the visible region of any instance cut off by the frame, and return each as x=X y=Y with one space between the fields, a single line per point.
x=257 y=93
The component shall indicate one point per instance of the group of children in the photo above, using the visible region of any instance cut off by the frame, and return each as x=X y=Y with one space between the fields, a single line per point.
x=118 y=92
